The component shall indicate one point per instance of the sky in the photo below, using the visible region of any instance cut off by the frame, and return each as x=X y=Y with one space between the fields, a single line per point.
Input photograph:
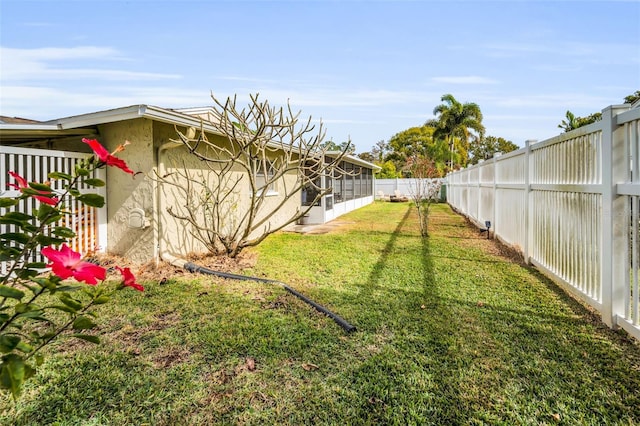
x=366 y=69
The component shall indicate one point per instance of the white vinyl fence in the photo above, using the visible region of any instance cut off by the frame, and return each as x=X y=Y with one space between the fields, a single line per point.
x=571 y=205
x=89 y=223
x=388 y=187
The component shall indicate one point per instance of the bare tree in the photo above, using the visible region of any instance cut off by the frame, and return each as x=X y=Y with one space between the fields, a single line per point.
x=424 y=189
x=254 y=176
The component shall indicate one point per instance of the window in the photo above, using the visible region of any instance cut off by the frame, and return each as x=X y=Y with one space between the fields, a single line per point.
x=348 y=181
x=336 y=186
x=311 y=190
x=265 y=172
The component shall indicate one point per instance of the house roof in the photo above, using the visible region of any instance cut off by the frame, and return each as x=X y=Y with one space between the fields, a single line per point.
x=354 y=160
x=17 y=130
x=84 y=124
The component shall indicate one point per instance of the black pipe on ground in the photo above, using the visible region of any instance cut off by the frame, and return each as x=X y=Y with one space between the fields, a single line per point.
x=192 y=267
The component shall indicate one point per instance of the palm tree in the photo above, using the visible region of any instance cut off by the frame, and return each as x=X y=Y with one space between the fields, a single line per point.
x=455 y=121
x=571 y=123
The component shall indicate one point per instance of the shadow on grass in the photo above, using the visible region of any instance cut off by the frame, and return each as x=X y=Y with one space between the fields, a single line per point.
x=374 y=279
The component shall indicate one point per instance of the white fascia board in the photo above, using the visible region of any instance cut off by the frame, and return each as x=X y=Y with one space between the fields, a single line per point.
x=23 y=127
x=354 y=160
x=130 y=113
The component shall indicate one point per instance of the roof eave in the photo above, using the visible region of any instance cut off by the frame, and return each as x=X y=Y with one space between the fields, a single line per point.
x=354 y=159
x=132 y=112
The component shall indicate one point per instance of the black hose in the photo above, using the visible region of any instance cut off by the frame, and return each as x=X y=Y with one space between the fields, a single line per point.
x=192 y=267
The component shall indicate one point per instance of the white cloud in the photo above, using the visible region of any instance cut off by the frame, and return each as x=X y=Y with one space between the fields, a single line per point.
x=38 y=64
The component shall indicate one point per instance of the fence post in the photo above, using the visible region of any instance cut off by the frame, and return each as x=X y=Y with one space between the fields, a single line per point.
x=528 y=205
x=494 y=223
x=615 y=219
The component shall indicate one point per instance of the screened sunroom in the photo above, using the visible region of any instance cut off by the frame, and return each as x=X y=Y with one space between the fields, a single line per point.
x=349 y=191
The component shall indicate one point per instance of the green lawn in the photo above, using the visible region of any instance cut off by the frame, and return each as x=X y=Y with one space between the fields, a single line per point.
x=449 y=332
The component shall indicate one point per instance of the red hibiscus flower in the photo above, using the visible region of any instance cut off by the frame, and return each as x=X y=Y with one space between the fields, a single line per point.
x=105 y=157
x=67 y=263
x=21 y=184
x=128 y=280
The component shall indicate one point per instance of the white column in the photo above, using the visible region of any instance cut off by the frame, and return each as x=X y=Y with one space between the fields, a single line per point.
x=615 y=218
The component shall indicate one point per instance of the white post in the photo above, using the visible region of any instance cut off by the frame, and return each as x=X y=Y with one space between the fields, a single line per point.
x=528 y=205
x=102 y=212
x=615 y=219
x=495 y=194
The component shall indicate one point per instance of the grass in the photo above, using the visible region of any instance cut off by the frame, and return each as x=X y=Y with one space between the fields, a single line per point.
x=450 y=331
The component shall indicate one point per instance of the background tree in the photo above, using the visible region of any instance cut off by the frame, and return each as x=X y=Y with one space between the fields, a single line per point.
x=573 y=122
x=265 y=146
x=380 y=150
x=388 y=171
x=330 y=145
x=485 y=147
x=632 y=98
x=455 y=123
x=417 y=141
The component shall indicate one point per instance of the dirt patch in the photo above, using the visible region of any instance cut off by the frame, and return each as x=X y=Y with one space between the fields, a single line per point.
x=171 y=357
x=164 y=271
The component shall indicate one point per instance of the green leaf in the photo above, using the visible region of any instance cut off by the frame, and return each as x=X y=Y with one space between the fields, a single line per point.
x=45 y=210
x=83 y=323
x=52 y=219
x=45 y=240
x=15 y=236
x=8 y=202
x=70 y=302
x=93 y=200
x=36 y=265
x=88 y=338
x=101 y=300
x=59 y=175
x=34 y=315
x=21 y=308
x=8 y=342
x=39 y=359
x=26 y=274
x=24 y=347
x=64 y=232
x=9 y=253
x=19 y=216
x=63 y=308
x=40 y=187
x=13 y=372
x=94 y=182
x=74 y=192
x=11 y=292
x=81 y=171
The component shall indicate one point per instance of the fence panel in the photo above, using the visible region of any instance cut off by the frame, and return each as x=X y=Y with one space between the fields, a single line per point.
x=629 y=319
x=34 y=165
x=571 y=205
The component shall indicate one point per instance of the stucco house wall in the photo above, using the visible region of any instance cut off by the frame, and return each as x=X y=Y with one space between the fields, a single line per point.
x=175 y=234
x=126 y=193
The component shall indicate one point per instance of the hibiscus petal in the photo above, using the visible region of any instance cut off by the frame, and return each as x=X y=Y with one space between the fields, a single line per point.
x=89 y=273
x=52 y=201
x=99 y=150
x=128 y=279
x=60 y=270
x=21 y=182
x=119 y=163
